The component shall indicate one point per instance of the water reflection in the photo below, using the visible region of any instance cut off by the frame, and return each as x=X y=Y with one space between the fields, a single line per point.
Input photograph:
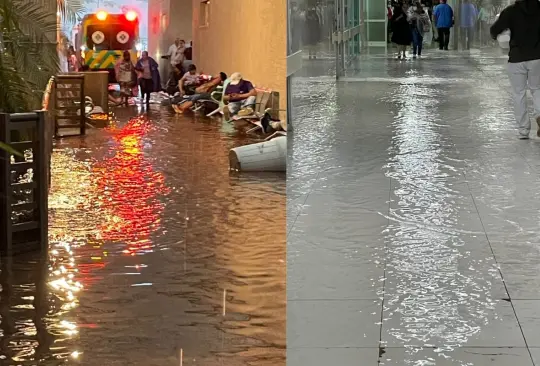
x=437 y=293
x=157 y=256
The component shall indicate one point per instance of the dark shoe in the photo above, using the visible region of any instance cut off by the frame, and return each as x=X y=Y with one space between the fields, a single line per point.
x=265 y=122
x=538 y=123
x=523 y=137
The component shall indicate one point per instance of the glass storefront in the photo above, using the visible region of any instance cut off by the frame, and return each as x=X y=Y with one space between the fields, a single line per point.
x=334 y=30
x=326 y=36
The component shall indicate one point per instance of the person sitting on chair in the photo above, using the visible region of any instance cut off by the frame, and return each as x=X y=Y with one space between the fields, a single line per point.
x=241 y=97
x=203 y=92
x=189 y=81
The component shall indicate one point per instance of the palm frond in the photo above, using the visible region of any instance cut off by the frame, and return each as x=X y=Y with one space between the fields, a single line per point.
x=70 y=10
x=27 y=56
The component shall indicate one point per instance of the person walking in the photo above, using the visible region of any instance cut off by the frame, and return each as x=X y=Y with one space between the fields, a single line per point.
x=149 y=80
x=420 y=25
x=469 y=14
x=401 y=30
x=483 y=29
x=444 y=20
x=312 y=32
x=124 y=70
x=521 y=19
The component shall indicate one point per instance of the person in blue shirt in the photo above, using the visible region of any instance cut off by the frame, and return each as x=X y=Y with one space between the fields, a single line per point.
x=469 y=14
x=444 y=20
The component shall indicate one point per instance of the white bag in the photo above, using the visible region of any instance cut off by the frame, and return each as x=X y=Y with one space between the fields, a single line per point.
x=504 y=40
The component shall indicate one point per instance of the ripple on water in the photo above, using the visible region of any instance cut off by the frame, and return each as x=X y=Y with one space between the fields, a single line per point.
x=156 y=251
x=438 y=294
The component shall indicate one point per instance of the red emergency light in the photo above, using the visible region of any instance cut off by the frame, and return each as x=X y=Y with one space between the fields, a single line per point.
x=101 y=15
x=131 y=15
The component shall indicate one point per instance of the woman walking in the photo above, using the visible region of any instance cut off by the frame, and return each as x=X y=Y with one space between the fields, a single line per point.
x=149 y=80
x=420 y=25
x=312 y=32
x=401 y=30
x=125 y=76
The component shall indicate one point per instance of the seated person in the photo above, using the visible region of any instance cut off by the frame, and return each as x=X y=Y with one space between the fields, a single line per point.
x=241 y=97
x=201 y=93
x=173 y=83
x=189 y=81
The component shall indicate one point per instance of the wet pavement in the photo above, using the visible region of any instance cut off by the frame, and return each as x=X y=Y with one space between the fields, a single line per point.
x=412 y=216
x=158 y=254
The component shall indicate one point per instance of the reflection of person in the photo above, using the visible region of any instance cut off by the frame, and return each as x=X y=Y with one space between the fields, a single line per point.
x=312 y=31
x=521 y=19
x=483 y=29
x=468 y=23
x=148 y=76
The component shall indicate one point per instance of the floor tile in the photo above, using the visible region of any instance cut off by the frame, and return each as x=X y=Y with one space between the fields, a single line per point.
x=332 y=356
x=459 y=357
x=528 y=314
x=339 y=278
x=340 y=323
x=466 y=324
x=515 y=250
x=346 y=202
x=535 y=353
x=345 y=227
x=522 y=280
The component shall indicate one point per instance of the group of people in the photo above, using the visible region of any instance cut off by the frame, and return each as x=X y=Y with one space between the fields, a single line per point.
x=410 y=25
x=239 y=95
x=144 y=74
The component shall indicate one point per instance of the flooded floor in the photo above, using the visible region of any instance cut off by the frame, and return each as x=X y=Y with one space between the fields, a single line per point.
x=413 y=217
x=158 y=255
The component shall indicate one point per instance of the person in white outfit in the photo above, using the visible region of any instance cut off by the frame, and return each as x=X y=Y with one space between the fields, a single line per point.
x=522 y=20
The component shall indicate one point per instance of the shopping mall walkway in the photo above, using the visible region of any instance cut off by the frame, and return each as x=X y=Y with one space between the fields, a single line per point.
x=413 y=218
x=159 y=256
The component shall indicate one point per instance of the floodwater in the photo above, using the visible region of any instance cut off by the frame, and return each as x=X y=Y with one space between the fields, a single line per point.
x=412 y=193
x=158 y=254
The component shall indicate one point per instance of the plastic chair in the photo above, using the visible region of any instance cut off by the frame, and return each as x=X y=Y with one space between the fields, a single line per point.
x=219 y=100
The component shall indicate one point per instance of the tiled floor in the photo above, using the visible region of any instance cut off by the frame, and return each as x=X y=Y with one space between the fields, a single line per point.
x=413 y=217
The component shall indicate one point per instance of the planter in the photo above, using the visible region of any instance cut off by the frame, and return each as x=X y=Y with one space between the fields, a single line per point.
x=24 y=182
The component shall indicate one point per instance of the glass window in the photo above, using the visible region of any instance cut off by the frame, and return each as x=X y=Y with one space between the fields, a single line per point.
x=377 y=31
x=376 y=9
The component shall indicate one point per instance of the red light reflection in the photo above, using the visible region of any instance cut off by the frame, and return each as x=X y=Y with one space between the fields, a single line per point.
x=129 y=190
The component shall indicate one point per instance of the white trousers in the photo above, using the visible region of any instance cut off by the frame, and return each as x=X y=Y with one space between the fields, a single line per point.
x=523 y=76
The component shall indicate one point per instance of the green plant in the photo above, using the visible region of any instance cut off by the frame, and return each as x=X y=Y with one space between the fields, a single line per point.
x=28 y=49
